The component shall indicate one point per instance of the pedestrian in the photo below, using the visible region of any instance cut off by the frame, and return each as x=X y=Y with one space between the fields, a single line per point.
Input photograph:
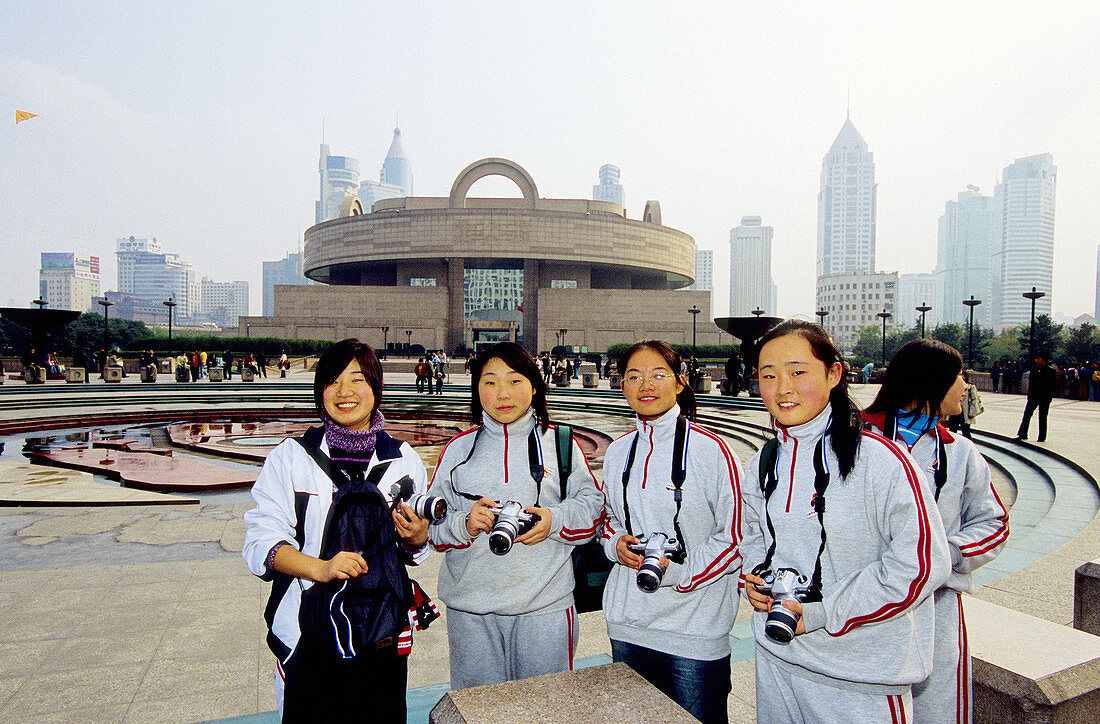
x=856 y=633
x=995 y=375
x=440 y=370
x=420 y=370
x=227 y=364
x=1040 y=391
x=284 y=363
x=261 y=362
x=510 y=615
x=674 y=633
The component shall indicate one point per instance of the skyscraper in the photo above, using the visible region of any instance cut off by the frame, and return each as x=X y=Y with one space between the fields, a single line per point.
x=395 y=179
x=68 y=281
x=147 y=273
x=1022 y=256
x=286 y=271
x=224 y=302
x=609 y=188
x=339 y=178
x=915 y=290
x=704 y=274
x=751 y=268
x=963 y=261
x=846 y=206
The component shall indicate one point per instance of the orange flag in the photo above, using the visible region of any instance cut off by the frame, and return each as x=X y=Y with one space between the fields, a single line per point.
x=21 y=116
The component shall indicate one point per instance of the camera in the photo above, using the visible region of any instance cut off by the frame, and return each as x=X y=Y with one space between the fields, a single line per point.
x=512 y=520
x=785 y=584
x=653 y=548
x=429 y=507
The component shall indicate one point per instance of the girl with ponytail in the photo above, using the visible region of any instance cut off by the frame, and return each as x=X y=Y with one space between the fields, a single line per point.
x=844 y=518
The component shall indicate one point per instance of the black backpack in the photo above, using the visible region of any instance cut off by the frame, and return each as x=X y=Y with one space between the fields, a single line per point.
x=590 y=565
x=359 y=614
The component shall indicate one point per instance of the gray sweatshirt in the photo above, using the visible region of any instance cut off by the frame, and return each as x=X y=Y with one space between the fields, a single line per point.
x=692 y=612
x=529 y=578
x=886 y=553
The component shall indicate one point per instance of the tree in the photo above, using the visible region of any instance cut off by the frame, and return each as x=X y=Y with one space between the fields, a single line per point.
x=1081 y=344
x=1048 y=336
x=1005 y=347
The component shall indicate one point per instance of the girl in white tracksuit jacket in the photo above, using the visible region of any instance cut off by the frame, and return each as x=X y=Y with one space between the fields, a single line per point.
x=510 y=616
x=924 y=382
x=676 y=636
x=850 y=512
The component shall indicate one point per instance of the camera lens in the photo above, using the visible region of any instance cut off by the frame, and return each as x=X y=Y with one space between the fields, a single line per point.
x=650 y=574
x=501 y=537
x=781 y=623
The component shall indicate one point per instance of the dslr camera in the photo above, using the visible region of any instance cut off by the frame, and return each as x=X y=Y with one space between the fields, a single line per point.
x=429 y=507
x=653 y=548
x=512 y=520
x=784 y=584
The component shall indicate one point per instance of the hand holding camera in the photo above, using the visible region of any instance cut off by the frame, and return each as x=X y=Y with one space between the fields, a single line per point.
x=656 y=549
x=512 y=520
x=784 y=584
x=429 y=507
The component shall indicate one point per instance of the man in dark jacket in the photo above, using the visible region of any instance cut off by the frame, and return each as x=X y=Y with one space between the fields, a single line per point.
x=1040 y=390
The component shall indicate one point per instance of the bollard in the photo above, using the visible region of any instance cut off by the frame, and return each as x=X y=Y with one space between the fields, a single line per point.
x=74 y=374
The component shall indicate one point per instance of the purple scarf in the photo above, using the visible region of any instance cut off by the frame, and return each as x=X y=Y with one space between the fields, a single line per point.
x=352 y=445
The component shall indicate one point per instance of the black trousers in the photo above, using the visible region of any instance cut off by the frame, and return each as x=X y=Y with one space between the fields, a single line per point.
x=321 y=687
x=1042 y=405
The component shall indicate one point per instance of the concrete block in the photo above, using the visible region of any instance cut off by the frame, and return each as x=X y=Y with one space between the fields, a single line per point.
x=32 y=379
x=703 y=383
x=590 y=380
x=1039 y=672
x=75 y=374
x=183 y=374
x=1086 y=598
x=588 y=367
x=216 y=374
x=148 y=374
x=596 y=695
x=616 y=381
x=247 y=375
x=112 y=374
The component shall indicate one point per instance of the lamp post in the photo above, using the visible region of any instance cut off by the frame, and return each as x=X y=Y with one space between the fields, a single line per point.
x=884 y=315
x=40 y=302
x=757 y=312
x=385 y=335
x=821 y=314
x=972 y=302
x=170 y=304
x=923 y=308
x=1033 y=296
x=562 y=339
x=106 y=304
x=694 y=312
x=408 y=340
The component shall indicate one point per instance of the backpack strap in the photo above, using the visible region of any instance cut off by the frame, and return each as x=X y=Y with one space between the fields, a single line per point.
x=563 y=438
x=311 y=443
x=282 y=581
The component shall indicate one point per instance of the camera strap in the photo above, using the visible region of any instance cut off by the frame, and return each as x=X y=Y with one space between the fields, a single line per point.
x=679 y=475
x=939 y=465
x=534 y=459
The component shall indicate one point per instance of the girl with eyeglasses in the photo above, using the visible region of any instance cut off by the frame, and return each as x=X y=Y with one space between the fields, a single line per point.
x=925 y=382
x=843 y=520
x=673 y=478
x=510 y=616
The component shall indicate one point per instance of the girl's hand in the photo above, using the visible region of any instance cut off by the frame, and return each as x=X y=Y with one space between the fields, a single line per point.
x=480 y=518
x=627 y=557
x=412 y=529
x=796 y=607
x=539 y=530
x=343 y=565
x=758 y=600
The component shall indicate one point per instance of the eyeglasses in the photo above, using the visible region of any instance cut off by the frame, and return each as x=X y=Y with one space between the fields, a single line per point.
x=656 y=378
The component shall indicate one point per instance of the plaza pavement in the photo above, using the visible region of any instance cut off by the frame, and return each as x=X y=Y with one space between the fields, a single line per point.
x=144 y=613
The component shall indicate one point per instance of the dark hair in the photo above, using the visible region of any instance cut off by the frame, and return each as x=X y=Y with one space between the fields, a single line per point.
x=920 y=374
x=335 y=360
x=846 y=427
x=686 y=398
x=521 y=361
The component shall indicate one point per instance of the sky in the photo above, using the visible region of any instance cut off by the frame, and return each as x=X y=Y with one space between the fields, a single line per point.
x=199 y=123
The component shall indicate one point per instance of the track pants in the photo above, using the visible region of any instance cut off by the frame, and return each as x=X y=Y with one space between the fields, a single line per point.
x=491 y=649
x=946 y=695
x=782 y=696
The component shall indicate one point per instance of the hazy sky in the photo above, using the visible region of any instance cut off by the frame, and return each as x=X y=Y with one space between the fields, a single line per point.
x=199 y=122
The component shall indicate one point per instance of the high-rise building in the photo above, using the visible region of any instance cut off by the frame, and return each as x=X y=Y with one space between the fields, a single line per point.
x=395 y=179
x=68 y=281
x=339 y=178
x=609 y=188
x=1022 y=256
x=915 y=290
x=147 y=273
x=704 y=271
x=854 y=299
x=286 y=271
x=963 y=261
x=223 y=302
x=751 y=268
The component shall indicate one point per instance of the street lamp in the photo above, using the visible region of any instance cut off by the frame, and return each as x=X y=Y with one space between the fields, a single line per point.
x=170 y=304
x=562 y=339
x=385 y=333
x=821 y=314
x=758 y=311
x=922 y=309
x=106 y=304
x=408 y=340
x=694 y=312
x=1033 y=296
x=972 y=302
x=40 y=302
x=884 y=315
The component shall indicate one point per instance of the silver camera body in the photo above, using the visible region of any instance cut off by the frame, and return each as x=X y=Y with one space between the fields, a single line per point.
x=653 y=548
x=784 y=584
x=429 y=507
x=512 y=520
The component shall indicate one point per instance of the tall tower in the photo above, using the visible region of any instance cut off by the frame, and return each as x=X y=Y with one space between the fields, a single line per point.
x=962 y=259
x=395 y=179
x=1023 y=244
x=609 y=188
x=751 y=268
x=339 y=177
x=846 y=206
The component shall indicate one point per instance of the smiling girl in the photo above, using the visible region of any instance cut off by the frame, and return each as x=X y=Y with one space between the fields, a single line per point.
x=672 y=477
x=849 y=512
x=923 y=383
x=510 y=616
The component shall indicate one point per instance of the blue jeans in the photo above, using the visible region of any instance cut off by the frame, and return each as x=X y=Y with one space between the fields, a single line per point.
x=701 y=687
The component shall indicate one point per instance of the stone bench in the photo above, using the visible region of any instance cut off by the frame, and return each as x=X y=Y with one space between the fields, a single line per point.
x=1086 y=598
x=608 y=694
x=1030 y=670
